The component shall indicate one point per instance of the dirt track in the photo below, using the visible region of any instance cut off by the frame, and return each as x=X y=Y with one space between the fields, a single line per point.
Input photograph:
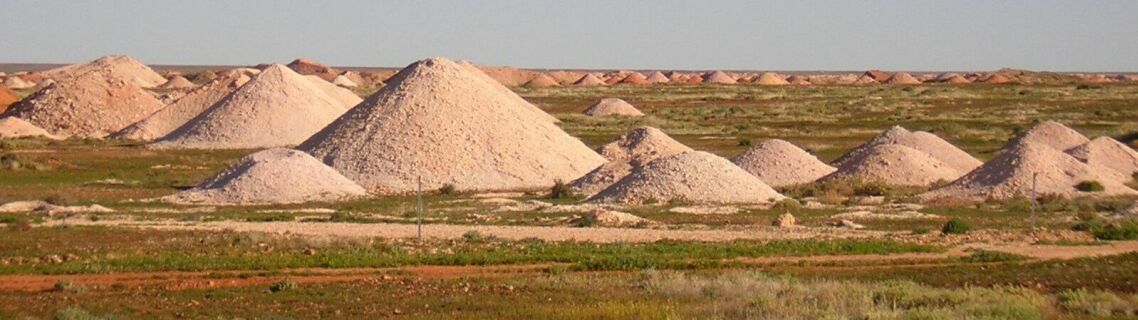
x=446 y=231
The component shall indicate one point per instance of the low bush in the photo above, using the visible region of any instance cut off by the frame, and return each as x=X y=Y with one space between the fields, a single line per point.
x=446 y=189
x=956 y=226
x=283 y=285
x=1089 y=186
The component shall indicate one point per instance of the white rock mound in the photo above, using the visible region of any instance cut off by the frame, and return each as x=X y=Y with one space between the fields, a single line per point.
x=895 y=164
x=12 y=127
x=277 y=108
x=450 y=125
x=633 y=150
x=782 y=164
x=1109 y=158
x=612 y=107
x=92 y=104
x=928 y=143
x=114 y=68
x=1052 y=134
x=693 y=177
x=181 y=111
x=272 y=176
x=1009 y=175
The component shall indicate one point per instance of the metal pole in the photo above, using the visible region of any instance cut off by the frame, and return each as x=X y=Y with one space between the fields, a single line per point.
x=1034 y=177
x=419 y=207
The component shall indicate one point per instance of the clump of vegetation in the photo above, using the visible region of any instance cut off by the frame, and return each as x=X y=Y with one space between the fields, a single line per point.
x=68 y=286
x=993 y=256
x=475 y=236
x=1089 y=186
x=11 y=161
x=744 y=142
x=447 y=189
x=956 y=226
x=283 y=285
x=560 y=190
x=1103 y=230
x=20 y=224
x=787 y=205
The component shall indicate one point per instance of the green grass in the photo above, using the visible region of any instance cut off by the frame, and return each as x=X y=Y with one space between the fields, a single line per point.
x=98 y=250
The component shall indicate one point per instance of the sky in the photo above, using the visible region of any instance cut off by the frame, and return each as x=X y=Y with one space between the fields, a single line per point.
x=596 y=34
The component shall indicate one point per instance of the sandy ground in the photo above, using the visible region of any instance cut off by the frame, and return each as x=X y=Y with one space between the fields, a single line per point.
x=447 y=231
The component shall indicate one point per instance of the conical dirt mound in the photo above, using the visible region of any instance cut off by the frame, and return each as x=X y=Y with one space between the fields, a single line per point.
x=1109 y=158
x=312 y=68
x=277 y=108
x=865 y=79
x=273 y=176
x=344 y=96
x=782 y=164
x=541 y=81
x=612 y=107
x=1052 y=134
x=771 y=79
x=693 y=177
x=902 y=78
x=180 y=112
x=344 y=81
x=1009 y=175
x=895 y=164
x=657 y=77
x=996 y=78
x=719 y=77
x=7 y=98
x=113 y=68
x=632 y=150
x=440 y=121
x=957 y=79
x=799 y=80
x=922 y=141
x=87 y=105
x=634 y=78
x=177 y=82
x=12 y=127
x=589 y=80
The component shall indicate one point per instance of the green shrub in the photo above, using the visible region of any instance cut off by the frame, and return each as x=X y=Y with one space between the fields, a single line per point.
x=1089 y=186
x=446 y=189
x=1121 y=231
x=956 y=226
x=560 y=191
x=283 y=285
x=787 y=205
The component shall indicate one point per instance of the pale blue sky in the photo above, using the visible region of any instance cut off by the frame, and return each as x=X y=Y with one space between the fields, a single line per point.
x=760 y=35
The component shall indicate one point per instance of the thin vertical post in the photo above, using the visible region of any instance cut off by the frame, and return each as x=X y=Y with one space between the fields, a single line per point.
x=1034 y=177
x=419 y=206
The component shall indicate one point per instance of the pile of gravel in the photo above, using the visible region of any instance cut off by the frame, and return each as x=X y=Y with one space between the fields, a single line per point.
x=895 y=164
x=1109 y=158
x=1009 y=175
x=12 y=127
x=277 y=108
x=771 y=79
x=449 y=124
x=1052 y=134
x=181 y=111
x=612 y=107
x=589 y=80
x=177 y=83
x=693 y=177
x=114 y=68
x=92 y=104
x=781 y=164
x=633 y=150
x=719 y=77
x=272 y=176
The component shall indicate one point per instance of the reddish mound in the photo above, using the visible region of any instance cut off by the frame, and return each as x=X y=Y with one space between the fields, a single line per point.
x=902 y=78
x=877 y=75
x=719 y=77
x=7 y=97
x=541 y=81
x=612 y=107
x=309 y=67
x=657 y=77
x=589 y=80
x=634 y=78
x=508 y=76
x=771 y=79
